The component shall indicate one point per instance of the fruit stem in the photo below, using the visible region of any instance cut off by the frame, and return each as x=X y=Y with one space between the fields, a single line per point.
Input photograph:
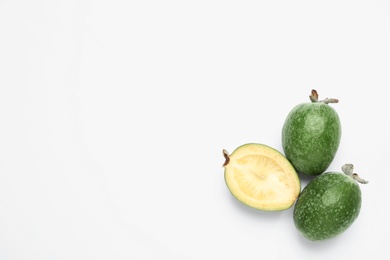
x=227 y=158
x=330 y=100
x=314 y=98
x=356 y=177
x=348 y=170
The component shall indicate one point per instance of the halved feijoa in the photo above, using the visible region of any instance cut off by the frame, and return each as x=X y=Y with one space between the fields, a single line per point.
x=261 y=177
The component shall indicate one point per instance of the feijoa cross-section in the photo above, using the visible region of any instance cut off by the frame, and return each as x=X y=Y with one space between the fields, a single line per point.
x=261 y=177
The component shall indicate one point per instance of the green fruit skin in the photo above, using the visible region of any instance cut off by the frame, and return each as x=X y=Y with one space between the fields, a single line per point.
x=327 y=206
x=311 y=136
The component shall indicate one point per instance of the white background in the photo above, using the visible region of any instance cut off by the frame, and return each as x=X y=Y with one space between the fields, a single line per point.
x=114 y=115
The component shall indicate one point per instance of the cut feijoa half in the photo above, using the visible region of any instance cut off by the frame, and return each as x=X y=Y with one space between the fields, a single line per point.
x=261 y=177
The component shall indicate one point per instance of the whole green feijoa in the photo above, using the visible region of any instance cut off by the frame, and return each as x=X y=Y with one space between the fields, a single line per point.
x=329 y=204
x=311 y=135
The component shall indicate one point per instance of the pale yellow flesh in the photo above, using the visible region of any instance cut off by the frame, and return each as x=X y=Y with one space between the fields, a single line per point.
x=261 y=177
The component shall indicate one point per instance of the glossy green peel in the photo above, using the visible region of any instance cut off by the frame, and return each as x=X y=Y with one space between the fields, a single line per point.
x=311 y=135
x=328 y=205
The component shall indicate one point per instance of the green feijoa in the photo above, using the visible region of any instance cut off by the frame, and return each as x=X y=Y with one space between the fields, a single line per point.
x=311 y=135
x=329 y=204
